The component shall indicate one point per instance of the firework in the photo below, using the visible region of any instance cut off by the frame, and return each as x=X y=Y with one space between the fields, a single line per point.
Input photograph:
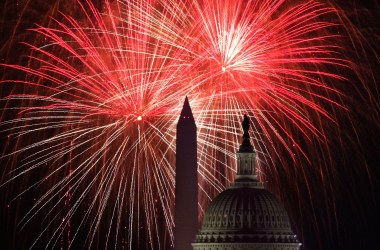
x=97 y=110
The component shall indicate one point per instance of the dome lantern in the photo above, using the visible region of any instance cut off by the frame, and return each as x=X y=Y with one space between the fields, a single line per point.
x=246 y=160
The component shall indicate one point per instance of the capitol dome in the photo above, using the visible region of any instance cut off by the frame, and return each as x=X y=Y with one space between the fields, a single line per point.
x=246 y=216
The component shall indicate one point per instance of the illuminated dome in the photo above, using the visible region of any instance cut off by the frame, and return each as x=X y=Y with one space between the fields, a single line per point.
x=246 y=216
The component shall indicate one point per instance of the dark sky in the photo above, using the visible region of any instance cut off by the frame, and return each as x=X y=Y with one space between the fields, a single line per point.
x=358 y=212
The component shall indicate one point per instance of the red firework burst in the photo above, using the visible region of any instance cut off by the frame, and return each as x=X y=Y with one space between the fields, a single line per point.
x=98 y=108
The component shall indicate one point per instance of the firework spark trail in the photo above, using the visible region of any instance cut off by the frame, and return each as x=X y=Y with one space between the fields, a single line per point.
x=110 y=87
x=123 y=92
x=254 y=57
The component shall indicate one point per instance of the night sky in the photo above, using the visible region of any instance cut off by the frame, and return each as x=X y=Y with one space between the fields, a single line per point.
x=356 y=216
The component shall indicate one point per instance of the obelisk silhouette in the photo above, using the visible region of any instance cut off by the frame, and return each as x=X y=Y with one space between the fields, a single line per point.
x=186 y=181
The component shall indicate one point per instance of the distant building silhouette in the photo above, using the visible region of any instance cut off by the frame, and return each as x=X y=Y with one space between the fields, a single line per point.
x=246 y=216
x=186 y=181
